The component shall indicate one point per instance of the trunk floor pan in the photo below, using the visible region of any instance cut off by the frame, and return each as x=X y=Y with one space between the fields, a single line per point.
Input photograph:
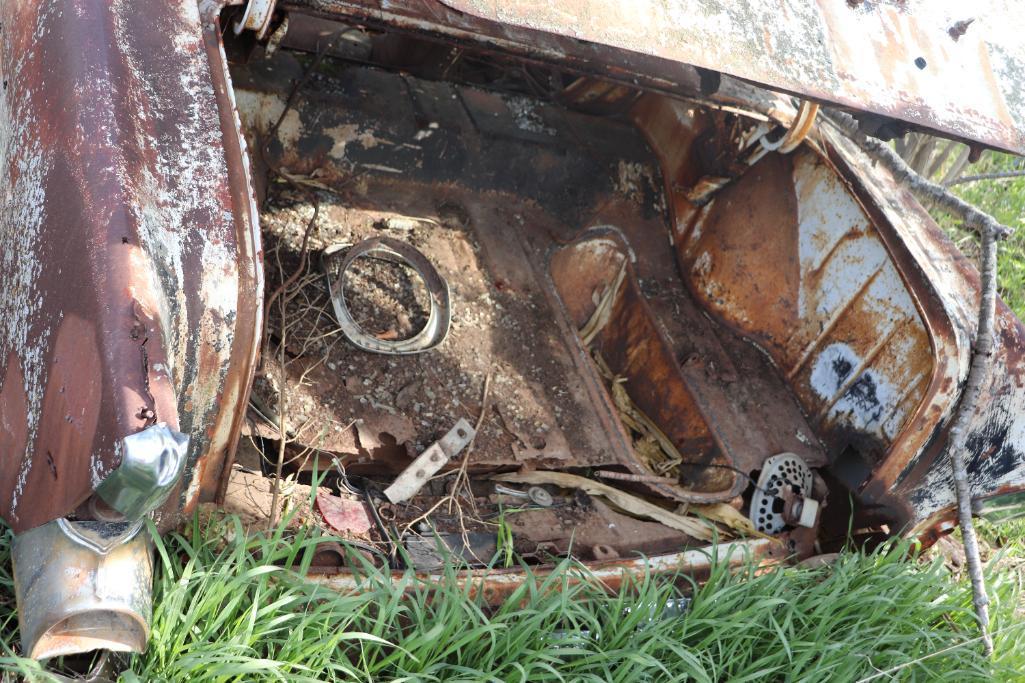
x=495 y=183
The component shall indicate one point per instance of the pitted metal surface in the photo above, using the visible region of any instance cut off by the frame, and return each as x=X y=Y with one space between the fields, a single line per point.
x=130 y=284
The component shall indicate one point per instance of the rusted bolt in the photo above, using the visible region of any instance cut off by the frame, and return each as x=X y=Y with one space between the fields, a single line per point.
x=539 y=496
x=958 y=29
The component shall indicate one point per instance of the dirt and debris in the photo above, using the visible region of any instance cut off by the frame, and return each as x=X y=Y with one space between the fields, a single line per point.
x=249 y=495
x=487 y=188
x=387 y=299
x=404 y=404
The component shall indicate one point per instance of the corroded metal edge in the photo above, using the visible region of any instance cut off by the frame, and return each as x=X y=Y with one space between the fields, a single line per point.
x=995 y=436
x=495 y=586
x=73 y=597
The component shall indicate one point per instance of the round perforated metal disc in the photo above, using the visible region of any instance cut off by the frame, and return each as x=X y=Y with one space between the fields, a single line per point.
x=785 y=469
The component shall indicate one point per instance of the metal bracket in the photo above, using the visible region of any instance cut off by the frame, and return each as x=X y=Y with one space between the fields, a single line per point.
x=429 y=462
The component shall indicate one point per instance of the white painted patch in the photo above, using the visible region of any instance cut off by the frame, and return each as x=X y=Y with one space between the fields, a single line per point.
x=868 y=398
x=24 y=331
x=826 y=215
x=703 y=264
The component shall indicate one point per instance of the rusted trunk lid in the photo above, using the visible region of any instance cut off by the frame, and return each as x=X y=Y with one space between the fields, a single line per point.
x=946 y=66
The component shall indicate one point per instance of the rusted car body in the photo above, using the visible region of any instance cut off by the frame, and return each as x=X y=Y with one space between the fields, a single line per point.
x=768 y=288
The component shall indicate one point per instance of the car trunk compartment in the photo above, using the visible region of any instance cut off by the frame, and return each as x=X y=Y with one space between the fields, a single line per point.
x=606 y=344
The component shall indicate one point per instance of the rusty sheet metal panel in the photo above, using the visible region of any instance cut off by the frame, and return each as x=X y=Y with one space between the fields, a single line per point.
x=903 y=322
x=129 y=285
x=495 y=586
x=837 y=318
x=994 y=443
x=949 y=284
x=939 y=64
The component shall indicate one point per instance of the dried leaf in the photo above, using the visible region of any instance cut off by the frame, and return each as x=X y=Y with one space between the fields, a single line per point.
x=692 y=526
x=665 y=456
x=726 y=515
x=603 y=311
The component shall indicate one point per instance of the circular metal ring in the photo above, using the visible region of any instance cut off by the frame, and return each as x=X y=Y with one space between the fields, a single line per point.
x=438 y=321
x=256 y=17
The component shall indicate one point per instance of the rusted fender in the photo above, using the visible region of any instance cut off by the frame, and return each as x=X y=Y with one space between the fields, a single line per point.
x=130 y=278
x=919 y=479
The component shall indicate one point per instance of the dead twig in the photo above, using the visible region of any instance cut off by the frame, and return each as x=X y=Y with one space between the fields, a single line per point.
x=977 y=374
x=272 y=520
x=294 y=180
x=461 y=476
x=997 y=175
x=290 y=280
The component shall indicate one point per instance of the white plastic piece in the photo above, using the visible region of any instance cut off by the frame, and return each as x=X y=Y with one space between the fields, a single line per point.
x=427 y=464
x=809 y=512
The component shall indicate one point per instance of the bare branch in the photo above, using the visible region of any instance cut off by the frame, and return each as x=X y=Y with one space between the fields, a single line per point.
x=998 y=175
x=924 y=189
x=973 y=387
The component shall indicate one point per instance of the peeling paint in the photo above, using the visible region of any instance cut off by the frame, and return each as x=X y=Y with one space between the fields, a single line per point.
x=119 y=208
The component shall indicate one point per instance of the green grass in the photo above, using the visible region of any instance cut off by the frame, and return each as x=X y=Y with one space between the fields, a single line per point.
x=231 y=611
x=1005 y=201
